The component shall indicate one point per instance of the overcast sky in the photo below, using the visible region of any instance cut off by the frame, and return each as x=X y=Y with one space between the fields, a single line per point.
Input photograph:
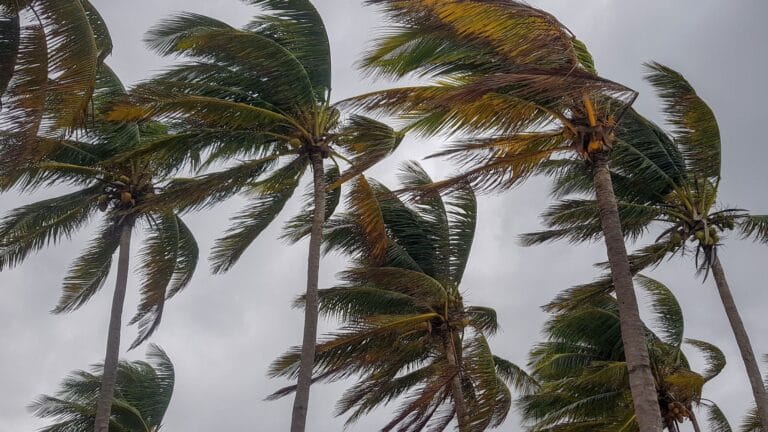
x=223 y=331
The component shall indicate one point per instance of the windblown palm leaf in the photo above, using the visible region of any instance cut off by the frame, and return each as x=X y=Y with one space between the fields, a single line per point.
x=124 y=189
x=257 y=100
x=142 y=395
x=583 y=375
x=524 y=94
x=50 y=52
x=123 y=192
x=407 y=333
x=688 y=214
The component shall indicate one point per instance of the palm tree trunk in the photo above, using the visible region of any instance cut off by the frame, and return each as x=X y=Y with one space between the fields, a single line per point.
x=104 y=404
x=301 y=402
x=460 y=403
x=742 y=340
x=694 y=422
x=633 y=334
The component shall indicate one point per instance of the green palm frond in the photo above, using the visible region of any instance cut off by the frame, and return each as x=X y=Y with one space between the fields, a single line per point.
x=715 y=359
x=297 y=26
x=32 y=227
x=668 y=313
x=168 y=261
x=754 y=226
x=90 y=270
x=270 y=196
x=142 y=396
x=696 y=131
x=578 y=220
x=206 y=39
x=515 y=376
x=716 y=419
x=10 y=35
x=367 y=142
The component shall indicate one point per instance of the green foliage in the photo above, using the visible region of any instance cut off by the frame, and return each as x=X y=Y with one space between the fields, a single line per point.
x=581 y=375
x=122 y=189
x=142 y=395
x=403 y=317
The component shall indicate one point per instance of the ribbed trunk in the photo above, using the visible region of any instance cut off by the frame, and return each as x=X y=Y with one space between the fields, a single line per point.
x=641 y=380
x=301 y=402
x=104 y=403
x=462 y=413
x=742 y=340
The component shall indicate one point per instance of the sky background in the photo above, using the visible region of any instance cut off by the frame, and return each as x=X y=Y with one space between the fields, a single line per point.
x=223 y=331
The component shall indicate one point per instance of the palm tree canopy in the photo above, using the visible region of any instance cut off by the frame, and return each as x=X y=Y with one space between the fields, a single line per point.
x=402 y=309
x=259 y=95
x=582 y=375
x=686 y=206
x=50 y=54
x=142 y=396
x=123 y=191
x=509 y=76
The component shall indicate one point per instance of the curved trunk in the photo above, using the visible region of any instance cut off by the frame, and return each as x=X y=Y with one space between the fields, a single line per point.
x=742 y=340
x=104 y=403
x=301 y=401
x=462 y=414
x=642 y=384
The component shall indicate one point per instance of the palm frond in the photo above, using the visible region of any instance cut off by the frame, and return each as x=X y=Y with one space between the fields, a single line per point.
x=716 y=419
x=669 y=314
x=715 y=359
x=271 y=194
x=696 y=130
x=90 y=270
x=168 y=261
x=755 y=227
x=32 y=227
x=297 y=26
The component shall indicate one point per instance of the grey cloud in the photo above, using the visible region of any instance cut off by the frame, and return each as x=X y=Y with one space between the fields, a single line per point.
x=223 y=331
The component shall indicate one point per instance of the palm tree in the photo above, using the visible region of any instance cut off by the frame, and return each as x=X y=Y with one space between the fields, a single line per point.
x=259 y=98
x=50 y=54
x=525 y=91
x=582 y=375
x=406 y=331
x=124 y=192
x=688 y=214
x=142 y=394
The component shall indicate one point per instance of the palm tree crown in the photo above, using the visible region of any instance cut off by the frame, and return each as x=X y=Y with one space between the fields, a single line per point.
x=142 y=396
x=582 y=374
x=686 y=209
x=123 y=191
x=407 y=331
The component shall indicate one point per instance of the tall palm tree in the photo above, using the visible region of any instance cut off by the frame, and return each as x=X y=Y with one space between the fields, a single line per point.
x=258 y=99
x=525 y=91
x=582 y=375
x=143 y=393
x=406 y=330
x=124 y=193
x=688 y=214
x=50 y=53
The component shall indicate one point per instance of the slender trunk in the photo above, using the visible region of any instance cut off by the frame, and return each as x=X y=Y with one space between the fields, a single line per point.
x=633 y=334
x=462 y=414
x=742 y=340
x=104 y=403
x=694 y=422
x=301 y=402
